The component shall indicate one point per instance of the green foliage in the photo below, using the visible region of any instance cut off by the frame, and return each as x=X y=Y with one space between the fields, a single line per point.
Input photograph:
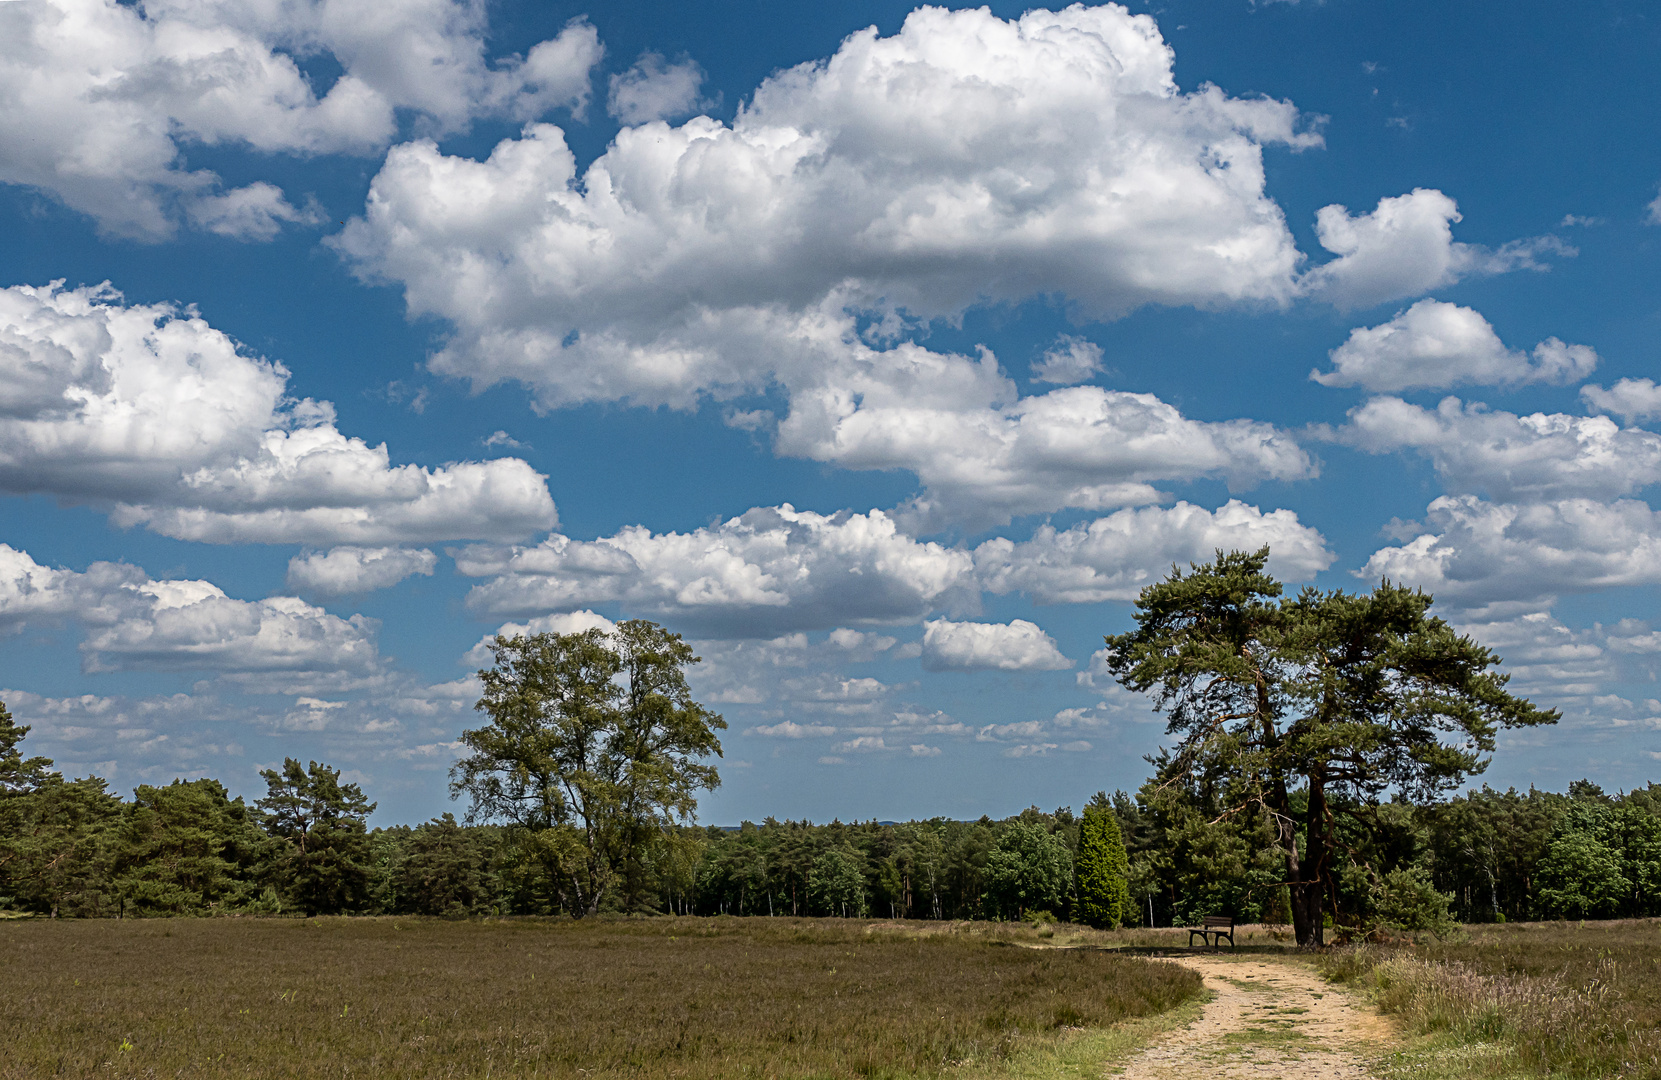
x=446 y=870
x=323 y=865
x=1603 y=861
x=1103 y=890
x=835 y=885
x=592 y=732
x=1346 y=697
x=1406 y=900
x=1028 y=868
x=187 y=849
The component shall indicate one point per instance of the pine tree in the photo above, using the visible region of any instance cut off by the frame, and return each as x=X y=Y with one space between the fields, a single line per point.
x=1103 y=893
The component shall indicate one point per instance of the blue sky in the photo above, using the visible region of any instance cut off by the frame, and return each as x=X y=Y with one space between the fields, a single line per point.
x=883 y=352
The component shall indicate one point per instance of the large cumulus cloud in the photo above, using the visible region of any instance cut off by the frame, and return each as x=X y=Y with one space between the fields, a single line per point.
x=98 y=98
x=152 y=414
x=133 y=622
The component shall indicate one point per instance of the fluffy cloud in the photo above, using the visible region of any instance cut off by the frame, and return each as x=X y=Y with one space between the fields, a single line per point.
x=768 y=571
x=135 y=623
x=345 y=570
x=152 y=414
x=654 y=90
x=1517 y=558
x=791 y=675
x=1405 y=247
x=1433 y=344
x=1632 y=400
x=968 y=646
x=100 y=97
x=255 y=212
x=1511 y=457
x=1114 y=557
x=965 y=159
x=985 y=455
x=1547 y=660
x=1070 y=360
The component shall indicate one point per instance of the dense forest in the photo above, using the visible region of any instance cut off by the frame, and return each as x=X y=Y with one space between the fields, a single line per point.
x=74 y=848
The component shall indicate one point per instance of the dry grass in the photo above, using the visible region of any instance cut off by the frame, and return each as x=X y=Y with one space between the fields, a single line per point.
x=1537 y=999
x=690 y=998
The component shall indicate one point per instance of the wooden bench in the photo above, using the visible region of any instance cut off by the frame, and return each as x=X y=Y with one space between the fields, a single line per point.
x=1216 y=928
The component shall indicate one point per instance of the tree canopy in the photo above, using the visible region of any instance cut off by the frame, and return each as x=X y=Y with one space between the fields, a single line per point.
x=1346 y=697
x=594 y=743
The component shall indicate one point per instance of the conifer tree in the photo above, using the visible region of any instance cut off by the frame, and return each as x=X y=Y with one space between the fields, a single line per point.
x=1103 y=892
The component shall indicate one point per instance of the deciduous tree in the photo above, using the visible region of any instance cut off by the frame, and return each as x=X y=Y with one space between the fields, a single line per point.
x=592 y=732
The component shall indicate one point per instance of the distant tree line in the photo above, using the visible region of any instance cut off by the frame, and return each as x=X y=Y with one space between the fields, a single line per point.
x=1319 y=741
x=1166 y=853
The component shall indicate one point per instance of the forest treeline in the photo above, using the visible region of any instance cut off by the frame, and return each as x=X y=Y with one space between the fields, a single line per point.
x=1318 y=743
x=72 y=847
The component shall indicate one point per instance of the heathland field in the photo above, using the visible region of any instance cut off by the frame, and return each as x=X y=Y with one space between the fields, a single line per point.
x=398 y=997
x=1562 y=999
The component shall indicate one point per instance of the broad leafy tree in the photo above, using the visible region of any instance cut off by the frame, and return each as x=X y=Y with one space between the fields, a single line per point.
x=323 y=868
x=1028 y=869
x=1342 y=698
x=594 y=739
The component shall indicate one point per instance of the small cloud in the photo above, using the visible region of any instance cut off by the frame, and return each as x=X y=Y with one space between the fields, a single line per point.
x=754 y=420
x=1400 y=122
x=865 y=744
x=1571 y=220
x=655 y=90
x=789 y=729
x=832 y=761
x=502 y=438
x=922 y=750
x=1029 y=750
x=1070 y=360
x=1077 y=746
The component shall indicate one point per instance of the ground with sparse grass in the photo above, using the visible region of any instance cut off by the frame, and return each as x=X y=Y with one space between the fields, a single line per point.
x=692 y=998
x=1520 y=999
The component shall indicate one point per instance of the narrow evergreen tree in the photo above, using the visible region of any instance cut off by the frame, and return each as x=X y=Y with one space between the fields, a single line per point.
x=1103 y=892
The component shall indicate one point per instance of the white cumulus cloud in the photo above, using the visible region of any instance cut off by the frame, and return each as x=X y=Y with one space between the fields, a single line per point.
x=1017 y=645
x=1633 y=400
x=98 y=98
x=1540 y=456
x=345 y=570
x=1072 y=359
x=765 y=572
x=148 y=412
x=1405 y=247
x=967 y=158
x=1517 y=558
x=135 y=623
x=654 y=89
x=1435 y=345
x=1115 y=557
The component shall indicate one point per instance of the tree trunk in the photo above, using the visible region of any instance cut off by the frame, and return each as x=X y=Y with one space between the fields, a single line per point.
x=1309 y=892
x=1303 y=928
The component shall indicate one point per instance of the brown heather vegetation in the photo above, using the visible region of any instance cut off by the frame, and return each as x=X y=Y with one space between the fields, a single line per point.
x=1523 y=999
x=686 y=998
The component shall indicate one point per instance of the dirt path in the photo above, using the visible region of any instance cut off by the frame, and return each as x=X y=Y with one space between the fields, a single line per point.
x=1269 y=1020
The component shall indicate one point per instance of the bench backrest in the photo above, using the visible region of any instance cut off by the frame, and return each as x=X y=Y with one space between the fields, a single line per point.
x=1226 y=922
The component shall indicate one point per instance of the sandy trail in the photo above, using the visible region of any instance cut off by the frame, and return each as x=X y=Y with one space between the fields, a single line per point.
x=1268 y=1020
